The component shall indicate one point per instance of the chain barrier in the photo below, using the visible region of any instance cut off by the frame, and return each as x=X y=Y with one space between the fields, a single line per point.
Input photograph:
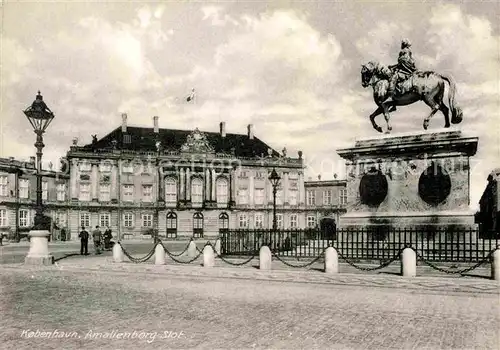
x=460 y=272
x=139 y=260
x=173 y=257
x=298 y=266
x=381 y=266
x=185 y=249
x=233 y=263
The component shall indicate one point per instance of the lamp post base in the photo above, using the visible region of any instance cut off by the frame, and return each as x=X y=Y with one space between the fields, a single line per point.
x=39 y=249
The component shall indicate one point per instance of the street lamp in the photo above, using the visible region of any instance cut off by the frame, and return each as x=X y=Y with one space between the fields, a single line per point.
x=40 y=116
x=275 y=182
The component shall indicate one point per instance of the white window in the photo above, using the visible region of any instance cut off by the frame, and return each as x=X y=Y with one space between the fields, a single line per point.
x=84 y=192
x=259 y=196
x=85 y=220
x=147 y=220
x=127 y=168
x=279 y=220
x=147 y=193
x=327 y=197
x=196 y=191
x=294 y=221
x=45 y=190
x=3 y=217
x=61 y=192
x=243 y=196
x=104 y=192
x=104 y=220
x=24 y=186
x=170 y=190
x=60 y=218
x=259 y=220
x=310 y=198
x=85 y=166
x=105 y=167
x=222 y=191
x=243 y=221
x=311 y=221
x=24 y=218
x=3 y=186
x=128 y=192
x=343 y=197
x=128 y=220
x=292 y=197
x=279 y=197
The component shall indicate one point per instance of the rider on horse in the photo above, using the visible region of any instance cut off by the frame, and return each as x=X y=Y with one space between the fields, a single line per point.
x=404 y=68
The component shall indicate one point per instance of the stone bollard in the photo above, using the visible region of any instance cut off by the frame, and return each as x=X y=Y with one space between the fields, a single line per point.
x=331 y=260
x=409 y=263
x=495 y=265
x=208 y=256
x=117 y=253
x=265 y=258
x=192 y=249
x=218 y=246
x=159 y=255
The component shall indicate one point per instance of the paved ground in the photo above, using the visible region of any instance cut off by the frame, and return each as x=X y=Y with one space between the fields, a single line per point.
x=240 y=308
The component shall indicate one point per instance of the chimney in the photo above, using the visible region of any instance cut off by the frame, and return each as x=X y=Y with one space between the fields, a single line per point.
x=155 y=124
x=32 y=160
x=11 y=159
x=124 y=122
x=250 y=131
x=222 y=129
x=319 y=177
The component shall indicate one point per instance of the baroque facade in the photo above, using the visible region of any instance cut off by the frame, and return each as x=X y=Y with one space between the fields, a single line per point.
x=18 y=198
x=326 y=201
x=139 y=180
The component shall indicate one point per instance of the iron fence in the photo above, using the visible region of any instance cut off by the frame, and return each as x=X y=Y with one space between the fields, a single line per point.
x=450 y=245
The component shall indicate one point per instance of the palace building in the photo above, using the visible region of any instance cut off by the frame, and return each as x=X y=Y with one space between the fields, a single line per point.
x=18 y=198
x=326 y=201
x=141 y=180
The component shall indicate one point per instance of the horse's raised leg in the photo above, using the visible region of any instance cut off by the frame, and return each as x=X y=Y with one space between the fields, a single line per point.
x=378 y=111
x=385 y=107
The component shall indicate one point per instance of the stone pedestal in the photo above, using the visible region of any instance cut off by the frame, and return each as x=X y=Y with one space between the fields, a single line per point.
x=411 y=180
x=39 y=249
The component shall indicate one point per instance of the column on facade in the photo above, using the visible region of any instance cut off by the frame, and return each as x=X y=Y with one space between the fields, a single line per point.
x=301 y=188
x=160 y=184
x=207 y=185
x=251 y=190
x=114 y=181
x=232 y=185
x=182 y=193
x=285 y=188
x=213 y=184
x=94 y=181
x=74 y=179
x=188 y=184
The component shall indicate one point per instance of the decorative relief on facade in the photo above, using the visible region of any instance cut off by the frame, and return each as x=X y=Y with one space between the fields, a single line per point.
x=197 y=142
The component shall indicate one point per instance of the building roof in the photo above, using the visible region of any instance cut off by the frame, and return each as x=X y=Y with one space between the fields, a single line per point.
x=323 y=183
x=144 y=139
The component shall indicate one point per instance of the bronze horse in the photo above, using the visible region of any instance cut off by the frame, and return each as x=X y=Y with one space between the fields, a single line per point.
x=420 y=86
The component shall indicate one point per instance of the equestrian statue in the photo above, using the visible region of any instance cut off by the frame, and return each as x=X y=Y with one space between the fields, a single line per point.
x=402 y=84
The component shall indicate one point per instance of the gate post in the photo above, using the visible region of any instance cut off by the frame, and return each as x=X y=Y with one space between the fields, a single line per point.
x=217 y=246
x=117 y=253
x=408 y=263
x=159 y=255
x=331 y=260
x=208 y=256
x=265 y=258
x=495 y=265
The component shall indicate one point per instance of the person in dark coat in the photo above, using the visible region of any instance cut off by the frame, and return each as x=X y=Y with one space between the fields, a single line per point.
x=96 y=236
x=107 y=238
x=84 y=241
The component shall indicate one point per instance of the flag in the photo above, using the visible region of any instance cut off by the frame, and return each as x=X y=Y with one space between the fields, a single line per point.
x=191 y=96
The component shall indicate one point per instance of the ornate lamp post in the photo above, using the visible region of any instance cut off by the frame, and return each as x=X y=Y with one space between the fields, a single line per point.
x=275 y=182
x=40 y=116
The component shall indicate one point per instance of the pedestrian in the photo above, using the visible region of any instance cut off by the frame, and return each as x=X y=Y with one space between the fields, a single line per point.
x=97 y=235
x=84 y=241
x=107 y=238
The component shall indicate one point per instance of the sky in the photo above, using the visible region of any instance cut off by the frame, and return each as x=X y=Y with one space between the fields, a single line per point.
x=292 y=69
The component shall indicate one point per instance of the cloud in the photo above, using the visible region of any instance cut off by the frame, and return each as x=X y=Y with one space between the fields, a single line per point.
x=216 y=17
